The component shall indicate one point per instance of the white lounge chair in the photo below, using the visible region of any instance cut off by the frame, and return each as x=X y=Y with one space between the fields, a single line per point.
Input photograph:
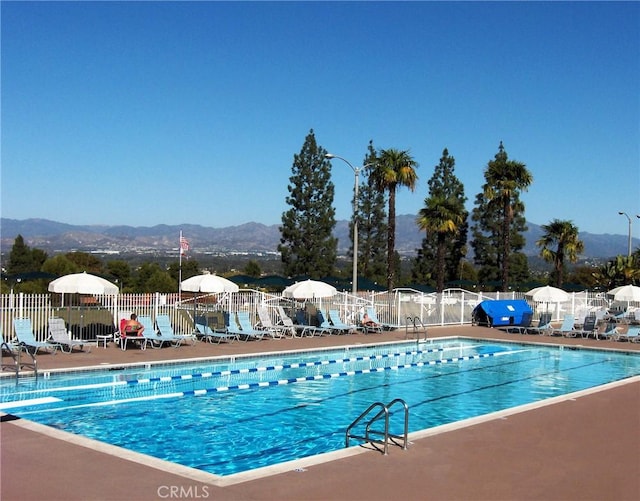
x=59 y=335
x=266 y=324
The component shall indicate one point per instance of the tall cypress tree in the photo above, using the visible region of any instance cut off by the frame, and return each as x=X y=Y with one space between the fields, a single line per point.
x=307 y=245
x=444 y=218
x=372 y=224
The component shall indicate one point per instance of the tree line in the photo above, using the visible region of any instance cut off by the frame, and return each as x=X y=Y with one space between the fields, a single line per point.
x=308 y=248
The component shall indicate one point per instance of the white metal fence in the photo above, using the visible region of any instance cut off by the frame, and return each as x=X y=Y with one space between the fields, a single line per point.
x=401 y=307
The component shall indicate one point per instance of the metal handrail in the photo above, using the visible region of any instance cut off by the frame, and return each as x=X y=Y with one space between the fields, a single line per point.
x=384 y=411
x=18 y=365
x=414 y=321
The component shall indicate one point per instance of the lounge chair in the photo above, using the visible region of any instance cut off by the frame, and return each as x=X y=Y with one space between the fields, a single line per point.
x=544 y=325
x=632 y=335
x=213 y=335
x=135 y=337
x=608 y=329
x=328 y=326
x=8 y=346
x=370 y=325
x=288 y=324
x=244 y=328
x=14 y=350
x=266 y=324
x=522 y=327
x=589 y=327
x=371 y=312
x=59 y=335
x=337 y=322
x=567 y=329
x=167 y=334
x=26 y=338
x=309 y=330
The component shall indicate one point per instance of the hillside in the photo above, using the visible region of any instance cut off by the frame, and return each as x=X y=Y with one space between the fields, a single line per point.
x=250 y=237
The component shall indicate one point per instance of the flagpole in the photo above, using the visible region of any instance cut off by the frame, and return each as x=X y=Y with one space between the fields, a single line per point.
x=180 y=269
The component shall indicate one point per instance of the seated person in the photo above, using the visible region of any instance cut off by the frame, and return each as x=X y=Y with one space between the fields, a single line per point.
x=367 y=322
x=133 y=327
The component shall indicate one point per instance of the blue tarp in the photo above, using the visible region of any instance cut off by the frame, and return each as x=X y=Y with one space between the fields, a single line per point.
x=501 y=312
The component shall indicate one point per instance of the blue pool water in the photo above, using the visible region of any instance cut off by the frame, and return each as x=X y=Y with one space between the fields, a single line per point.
x=228 y=416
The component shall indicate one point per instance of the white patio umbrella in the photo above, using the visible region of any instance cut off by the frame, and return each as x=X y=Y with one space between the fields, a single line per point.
x=83 y=283
x=547 y=294
x=625 y=293
x=208 y=283
x=309 y=289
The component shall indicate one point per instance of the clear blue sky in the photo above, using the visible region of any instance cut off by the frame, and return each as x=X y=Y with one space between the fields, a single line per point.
x=145 y=113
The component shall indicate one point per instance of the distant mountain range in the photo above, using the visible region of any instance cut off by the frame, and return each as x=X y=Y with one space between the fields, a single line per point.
x=55 y=237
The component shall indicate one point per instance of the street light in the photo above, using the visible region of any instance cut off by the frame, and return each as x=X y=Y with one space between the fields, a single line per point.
x=356 y=171
x=627 y=215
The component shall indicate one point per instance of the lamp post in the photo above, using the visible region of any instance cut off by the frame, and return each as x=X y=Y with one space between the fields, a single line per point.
x=356 y=171
x=629 y=219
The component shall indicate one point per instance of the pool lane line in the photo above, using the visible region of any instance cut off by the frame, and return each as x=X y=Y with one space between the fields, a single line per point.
x=249 y=370
x=277 y=382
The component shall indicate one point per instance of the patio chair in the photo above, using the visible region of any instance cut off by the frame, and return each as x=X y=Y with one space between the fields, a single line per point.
x=324 y=323
x=589 y=327
x=286 y=321
x=371 y=312
x=521 y=328
x=127 y=337
x=167 y=334
x=368 y=325
x=213 y=335
x=266 y=324
x=567 y=329
x=26 y=338
x=336 y=321
x=306 y=329
x=59 y=335
x=544 y=325
x=244 y=328
x=632 y=335
x=8 y=346
x=608 y=329
x=14 y=350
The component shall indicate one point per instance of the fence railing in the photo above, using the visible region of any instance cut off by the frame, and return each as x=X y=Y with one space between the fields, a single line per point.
x=102 y=314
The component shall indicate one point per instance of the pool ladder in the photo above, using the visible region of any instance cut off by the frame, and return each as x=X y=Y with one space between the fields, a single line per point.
x=415 y=322
x=18 y=364
x=383 y=412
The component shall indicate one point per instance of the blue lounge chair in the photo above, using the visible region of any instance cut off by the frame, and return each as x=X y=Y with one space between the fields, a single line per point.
x=167 y=335
x=14 y=350
x=26 y=338
x=368 y=324
x=59 y=335
x=338 y=323
x=371 y=312
x=567 y=328
x=522 y=327
x=608 y=330
x=244 y=328
x=589 y=327
x=632 y=335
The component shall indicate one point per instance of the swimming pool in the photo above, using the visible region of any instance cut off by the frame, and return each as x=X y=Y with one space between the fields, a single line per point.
x=234 y=415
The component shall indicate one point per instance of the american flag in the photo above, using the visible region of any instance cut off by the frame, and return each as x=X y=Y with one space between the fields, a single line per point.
x=184 y=245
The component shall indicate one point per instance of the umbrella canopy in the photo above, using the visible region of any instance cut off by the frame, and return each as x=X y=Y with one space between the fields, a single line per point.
x=82 y=283
x=547 y=294
x=208 y=283
x=626 y=293
x=309 y=289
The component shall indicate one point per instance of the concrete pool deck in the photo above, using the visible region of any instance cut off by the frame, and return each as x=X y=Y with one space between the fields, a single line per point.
x=585 y=448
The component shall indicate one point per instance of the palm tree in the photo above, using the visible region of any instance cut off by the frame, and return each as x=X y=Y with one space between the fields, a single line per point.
x=394 y=168
x=504 y=181
x=564 y=236
x=442 y=216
